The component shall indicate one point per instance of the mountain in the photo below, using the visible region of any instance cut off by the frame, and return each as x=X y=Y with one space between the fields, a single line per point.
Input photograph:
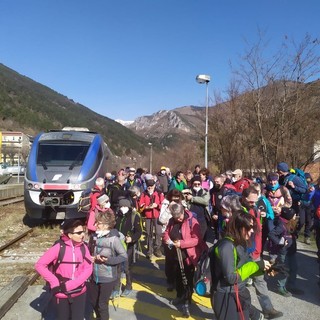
x=169 y=128
x=31 y=107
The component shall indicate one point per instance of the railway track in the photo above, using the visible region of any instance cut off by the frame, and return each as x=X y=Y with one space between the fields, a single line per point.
x=5 y=202
x=20 y=247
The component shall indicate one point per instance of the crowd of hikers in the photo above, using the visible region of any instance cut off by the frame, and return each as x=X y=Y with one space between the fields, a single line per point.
x=245 y=228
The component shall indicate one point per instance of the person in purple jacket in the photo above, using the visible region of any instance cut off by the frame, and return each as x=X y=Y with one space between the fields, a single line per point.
x=67 y=279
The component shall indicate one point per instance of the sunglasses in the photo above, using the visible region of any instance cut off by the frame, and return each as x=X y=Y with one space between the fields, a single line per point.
x=78 y=232
x=197 y=184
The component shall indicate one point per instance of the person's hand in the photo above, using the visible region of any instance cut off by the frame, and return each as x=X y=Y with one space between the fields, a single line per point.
x=291 y=184
x=263 y=214
x=267 y=265
x=100 y=259
x=215 y=217
x=276 y=210
x=177 y=244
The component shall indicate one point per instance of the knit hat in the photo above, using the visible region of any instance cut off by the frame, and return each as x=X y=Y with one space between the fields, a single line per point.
x=282 y=166
x=287 y=213
x=273 y=176
x=196 y=178
x=307 y=175
x=103 y=199
x=163 y=168
x=124 y=202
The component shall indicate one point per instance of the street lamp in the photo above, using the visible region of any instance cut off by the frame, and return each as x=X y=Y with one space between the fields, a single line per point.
x=150 y=168
x=203 y=78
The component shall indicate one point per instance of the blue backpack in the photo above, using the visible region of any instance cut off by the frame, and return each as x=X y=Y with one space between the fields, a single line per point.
x=299 y=173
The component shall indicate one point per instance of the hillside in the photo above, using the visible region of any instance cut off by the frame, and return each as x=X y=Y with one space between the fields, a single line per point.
x=30 y=107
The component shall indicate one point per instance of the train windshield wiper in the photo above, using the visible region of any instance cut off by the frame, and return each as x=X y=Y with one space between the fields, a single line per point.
x=44 y=165
x=74 y=163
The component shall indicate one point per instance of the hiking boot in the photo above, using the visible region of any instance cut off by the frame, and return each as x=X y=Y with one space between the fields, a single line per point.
x=177 y=301
x=158 y=253
x=249 y=282
x=284 y=292
x=149 y=256
x=126 y=292
x=185 y=311
x=307 y=240
x=170 y=287
x=114 y=294
x=272 y=314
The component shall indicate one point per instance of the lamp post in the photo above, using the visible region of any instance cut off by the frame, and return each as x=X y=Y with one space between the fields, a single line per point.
x=203 y=78
x=150 y=167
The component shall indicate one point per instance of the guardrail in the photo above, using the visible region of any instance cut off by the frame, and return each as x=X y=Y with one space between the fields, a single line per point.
x=11 y=191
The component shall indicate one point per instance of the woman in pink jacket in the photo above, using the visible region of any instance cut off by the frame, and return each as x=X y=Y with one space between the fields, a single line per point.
x=67 y=278
x=183 y=235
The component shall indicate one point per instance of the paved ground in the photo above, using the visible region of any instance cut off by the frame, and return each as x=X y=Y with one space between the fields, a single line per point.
x=150 y=299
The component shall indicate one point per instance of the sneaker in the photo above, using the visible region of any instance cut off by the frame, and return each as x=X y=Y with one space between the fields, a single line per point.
x=284 y=292
x=114 y=294
x=307 y=240
x=177 y=301
x=272 y=314
x=126 y=292
x=296 y=291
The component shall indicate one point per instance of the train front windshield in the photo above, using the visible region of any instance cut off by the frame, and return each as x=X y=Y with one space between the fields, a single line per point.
x=62 y=154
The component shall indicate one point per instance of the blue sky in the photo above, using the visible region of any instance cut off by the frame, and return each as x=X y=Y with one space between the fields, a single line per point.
x=128 y=58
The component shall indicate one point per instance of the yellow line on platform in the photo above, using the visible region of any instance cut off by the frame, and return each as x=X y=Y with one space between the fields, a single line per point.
x=151 y=310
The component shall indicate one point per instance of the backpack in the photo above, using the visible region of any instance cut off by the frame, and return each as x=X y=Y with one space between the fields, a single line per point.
x=229 y=189
x=61 y=254
x=299 y=173
x=202 y=276
x=214 y=255
x=84 y=204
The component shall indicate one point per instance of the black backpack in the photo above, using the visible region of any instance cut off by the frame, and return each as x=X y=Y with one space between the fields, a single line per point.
x=54 y=266
x=61 y=254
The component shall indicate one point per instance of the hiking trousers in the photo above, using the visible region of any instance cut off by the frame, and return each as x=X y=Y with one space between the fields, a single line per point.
x=99 y=297
x=153 y=227
x=71 y=310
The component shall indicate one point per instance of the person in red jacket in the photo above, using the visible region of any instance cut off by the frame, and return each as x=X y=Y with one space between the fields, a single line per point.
x=67 y=282
x=150 y=204
x=183 y=235
x=97 y=191
x=239 y=182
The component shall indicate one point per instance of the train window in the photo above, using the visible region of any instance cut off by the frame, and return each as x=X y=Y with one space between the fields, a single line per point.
x=65 y=154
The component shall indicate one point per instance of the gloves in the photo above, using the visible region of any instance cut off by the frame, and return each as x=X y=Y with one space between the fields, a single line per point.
x=55 y=290
x=61 y=288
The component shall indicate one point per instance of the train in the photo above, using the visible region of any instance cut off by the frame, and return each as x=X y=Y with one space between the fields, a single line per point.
x=62 y=164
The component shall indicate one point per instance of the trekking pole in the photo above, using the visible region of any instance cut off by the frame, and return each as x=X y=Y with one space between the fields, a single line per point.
x=183 y=275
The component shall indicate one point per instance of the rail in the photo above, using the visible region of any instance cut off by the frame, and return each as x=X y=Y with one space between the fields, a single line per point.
x=16 y=239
